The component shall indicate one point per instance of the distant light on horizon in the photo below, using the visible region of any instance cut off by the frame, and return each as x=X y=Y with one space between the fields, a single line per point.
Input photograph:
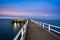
x=46 y=15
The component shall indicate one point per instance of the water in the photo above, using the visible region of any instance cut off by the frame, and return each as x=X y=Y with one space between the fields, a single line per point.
x=52 y=22
x=8 y=30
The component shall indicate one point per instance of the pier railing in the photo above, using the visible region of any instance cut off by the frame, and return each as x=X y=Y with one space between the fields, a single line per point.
x=21 y=32
x=49 y=27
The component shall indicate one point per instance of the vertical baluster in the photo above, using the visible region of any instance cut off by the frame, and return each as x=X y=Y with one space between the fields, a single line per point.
x=43 y=25
x=48 y=27
x=40 y=23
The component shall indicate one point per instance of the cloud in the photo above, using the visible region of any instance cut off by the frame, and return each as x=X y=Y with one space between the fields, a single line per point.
x=14 y=13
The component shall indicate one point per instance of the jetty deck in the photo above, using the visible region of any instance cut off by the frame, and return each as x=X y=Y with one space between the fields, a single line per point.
x=35 y=32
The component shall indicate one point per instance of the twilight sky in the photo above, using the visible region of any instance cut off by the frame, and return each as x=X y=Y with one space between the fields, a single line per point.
x=41 y=8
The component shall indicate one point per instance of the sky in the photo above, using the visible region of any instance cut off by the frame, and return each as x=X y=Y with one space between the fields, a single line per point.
x=38 y=8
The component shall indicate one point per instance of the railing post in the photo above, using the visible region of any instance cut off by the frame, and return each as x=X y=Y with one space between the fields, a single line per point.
x=43 y=25
x=48 y=27
x=40 y=23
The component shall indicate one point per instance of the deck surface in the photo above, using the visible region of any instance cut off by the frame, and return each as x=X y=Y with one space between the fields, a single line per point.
x=34 y=32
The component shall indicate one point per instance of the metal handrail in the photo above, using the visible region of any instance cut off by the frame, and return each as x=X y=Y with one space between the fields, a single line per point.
x=22 y=31
x=49 y=26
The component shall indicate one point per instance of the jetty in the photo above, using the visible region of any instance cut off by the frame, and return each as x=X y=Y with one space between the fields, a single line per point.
x=33 y=31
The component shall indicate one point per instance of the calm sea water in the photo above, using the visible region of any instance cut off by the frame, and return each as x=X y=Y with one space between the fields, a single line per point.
x=8 y=30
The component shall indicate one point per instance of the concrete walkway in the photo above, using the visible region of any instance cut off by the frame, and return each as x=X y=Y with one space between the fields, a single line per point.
x=34 y=32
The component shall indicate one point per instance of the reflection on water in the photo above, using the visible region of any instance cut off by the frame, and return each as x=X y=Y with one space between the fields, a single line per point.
x=16 y=25
x=8 y=30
